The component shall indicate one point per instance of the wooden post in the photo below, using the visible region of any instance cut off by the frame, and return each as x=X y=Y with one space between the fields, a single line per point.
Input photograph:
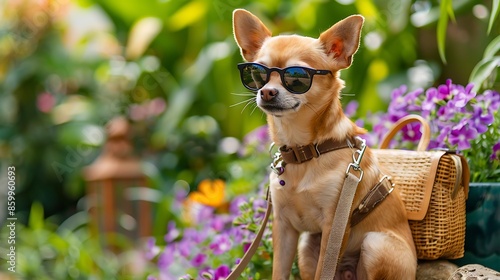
x=109 y=179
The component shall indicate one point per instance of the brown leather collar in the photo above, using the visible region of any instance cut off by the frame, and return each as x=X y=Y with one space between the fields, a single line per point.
x=372 y=199
x=300 y=154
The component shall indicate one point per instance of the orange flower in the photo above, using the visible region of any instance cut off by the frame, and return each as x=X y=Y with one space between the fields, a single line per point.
x=210 y=193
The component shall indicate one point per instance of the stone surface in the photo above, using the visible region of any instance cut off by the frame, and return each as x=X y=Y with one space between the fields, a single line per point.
x=435 y=270
x=475 y=272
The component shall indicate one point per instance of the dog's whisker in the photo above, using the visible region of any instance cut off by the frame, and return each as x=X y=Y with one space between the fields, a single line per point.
x=243 y=94
x=253 y=110
x=250 y=102
x=242 y=102
x=347 y=94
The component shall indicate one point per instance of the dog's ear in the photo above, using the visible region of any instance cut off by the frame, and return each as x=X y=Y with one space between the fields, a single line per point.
x=249 y=33
x=341 y=41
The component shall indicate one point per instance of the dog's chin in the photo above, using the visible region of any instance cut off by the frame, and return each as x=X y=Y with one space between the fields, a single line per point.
x=277 y=110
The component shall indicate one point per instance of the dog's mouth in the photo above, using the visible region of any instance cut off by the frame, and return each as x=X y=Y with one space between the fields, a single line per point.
x=277 y=109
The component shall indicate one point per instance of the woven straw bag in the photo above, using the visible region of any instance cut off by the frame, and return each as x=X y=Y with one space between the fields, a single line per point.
x=434 y=187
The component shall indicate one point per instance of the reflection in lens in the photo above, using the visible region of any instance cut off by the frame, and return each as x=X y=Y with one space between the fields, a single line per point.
x=254 y=76
x=297 y=79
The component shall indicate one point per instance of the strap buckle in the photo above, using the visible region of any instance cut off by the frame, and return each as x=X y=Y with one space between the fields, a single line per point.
x=357 y=156
x=277 y=165
x=315 y=150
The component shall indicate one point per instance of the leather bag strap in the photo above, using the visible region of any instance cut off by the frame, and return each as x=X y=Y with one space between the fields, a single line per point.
x=238 y=270
x=372 y=199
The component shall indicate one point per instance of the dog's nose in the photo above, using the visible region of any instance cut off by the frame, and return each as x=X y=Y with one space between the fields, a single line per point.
x=267 y=94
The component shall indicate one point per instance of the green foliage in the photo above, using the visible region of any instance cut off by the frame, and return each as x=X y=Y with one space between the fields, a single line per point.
x=446 y=10
x=485 y=72
x=495 y=10
x=45 y=250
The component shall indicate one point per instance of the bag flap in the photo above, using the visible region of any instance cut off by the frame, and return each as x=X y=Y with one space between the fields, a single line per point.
x=414 y=174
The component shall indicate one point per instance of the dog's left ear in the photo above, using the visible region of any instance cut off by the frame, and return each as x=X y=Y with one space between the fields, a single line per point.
x=341 y=41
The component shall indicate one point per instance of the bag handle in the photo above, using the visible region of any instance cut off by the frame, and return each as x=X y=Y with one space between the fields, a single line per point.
x=425 y=128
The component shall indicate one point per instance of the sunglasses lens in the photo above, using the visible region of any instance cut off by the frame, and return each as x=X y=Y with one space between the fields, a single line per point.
x=297 y=79
x=253 y=76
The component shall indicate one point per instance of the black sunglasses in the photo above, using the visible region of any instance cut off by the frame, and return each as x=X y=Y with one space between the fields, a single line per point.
x=296 y=79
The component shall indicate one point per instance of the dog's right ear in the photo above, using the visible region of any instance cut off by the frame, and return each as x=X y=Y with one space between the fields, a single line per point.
x=249 y=32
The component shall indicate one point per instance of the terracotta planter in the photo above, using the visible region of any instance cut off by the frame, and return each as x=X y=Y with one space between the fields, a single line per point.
x=482 y=238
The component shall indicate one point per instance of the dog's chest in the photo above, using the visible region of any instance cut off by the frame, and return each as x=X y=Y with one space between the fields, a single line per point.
x=306 y=201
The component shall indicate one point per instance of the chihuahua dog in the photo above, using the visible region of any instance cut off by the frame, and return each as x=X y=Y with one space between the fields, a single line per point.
x=302 y=111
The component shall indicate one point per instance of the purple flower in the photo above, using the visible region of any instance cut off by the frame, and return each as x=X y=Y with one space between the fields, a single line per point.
x=221 y=244
x=237 y=234
x=489 y=99
x=444 y=131
x=371 y=140
x=218 y=223
x=397 y=93
x=449 y=111
x=198 y=260
x=151 y=249
x=180 y=194
x=481 y=119
x=166 y=258
x=172 y=232
x=461 y=135
x=259 y=205
x=411 y=99
x=246 y=246
x=201 y=214
x=195 y=236
x=360 y=122
x=462 y=96
x=222 y=272
x=432 y=97
x=185 y=248
x=412 y=132
x=382 y=124
x=234 y=207
x=496 y=152
x=259 y=138
x=445 y=91
x=351 y=108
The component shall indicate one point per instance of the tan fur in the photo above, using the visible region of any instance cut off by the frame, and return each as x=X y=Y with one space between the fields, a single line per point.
x=381 y=246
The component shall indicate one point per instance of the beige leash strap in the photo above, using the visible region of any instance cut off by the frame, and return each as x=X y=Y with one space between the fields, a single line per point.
x=340 y=220
x=238 y=270
x=342 y=214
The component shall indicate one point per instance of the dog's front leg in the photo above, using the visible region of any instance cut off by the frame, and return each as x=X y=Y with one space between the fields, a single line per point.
x=324 y=243
x=285 y=241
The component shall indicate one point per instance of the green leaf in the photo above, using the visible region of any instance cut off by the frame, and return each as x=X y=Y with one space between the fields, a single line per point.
x=450 y=12
x=188 y=15
x=483 y=70
x=141 y=35
x=492 y=49
x=444 y=12
x=36 y=220
x=495 y=10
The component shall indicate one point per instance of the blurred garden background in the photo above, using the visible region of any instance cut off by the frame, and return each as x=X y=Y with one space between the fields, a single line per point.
x=69 y=67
